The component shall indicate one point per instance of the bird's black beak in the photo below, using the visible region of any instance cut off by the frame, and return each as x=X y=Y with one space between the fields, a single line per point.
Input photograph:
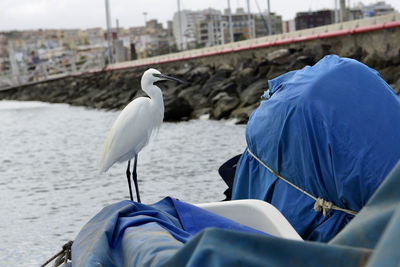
x=165 y=77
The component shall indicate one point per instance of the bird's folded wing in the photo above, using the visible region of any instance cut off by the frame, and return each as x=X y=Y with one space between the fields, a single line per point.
x=130 y=133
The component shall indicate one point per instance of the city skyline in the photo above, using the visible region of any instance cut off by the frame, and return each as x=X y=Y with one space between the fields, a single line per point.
x=51 y=14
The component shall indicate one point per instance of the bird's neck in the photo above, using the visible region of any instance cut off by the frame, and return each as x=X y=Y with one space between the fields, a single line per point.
x=157 y=102
x=154 y=92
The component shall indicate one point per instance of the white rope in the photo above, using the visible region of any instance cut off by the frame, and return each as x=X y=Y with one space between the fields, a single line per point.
x=319 y=205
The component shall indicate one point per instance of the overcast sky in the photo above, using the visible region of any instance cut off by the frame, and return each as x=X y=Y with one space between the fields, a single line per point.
x=55 y=14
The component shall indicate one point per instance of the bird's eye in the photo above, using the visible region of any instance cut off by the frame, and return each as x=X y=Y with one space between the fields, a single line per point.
x=156 y=75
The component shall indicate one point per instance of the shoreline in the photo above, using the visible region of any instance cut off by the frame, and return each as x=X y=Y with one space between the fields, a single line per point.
x=223 y=91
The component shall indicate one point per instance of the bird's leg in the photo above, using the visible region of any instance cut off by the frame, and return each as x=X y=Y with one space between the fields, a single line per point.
x=134 y=177
x=128 y=175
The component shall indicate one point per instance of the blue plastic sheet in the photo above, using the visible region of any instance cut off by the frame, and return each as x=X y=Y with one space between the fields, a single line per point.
x=331 y=129
x=127 y=232
x=132 y=234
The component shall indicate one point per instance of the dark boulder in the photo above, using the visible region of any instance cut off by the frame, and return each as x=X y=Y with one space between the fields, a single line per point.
x=200 y=73
x=374 y=61
x=277 y=70
x=244 y=78
x=180 y=72
x=390 y=74
x=252 y=94
x=242 y=114
x=176 y=108
x=223 y=105
x=301 y=61
x=219 y=76
x=278 y=56
x=396 y=86
x=262 y=69
x=193 y=96
x=228 y=86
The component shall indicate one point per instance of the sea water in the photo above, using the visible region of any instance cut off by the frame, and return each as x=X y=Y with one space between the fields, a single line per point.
x=49 y=180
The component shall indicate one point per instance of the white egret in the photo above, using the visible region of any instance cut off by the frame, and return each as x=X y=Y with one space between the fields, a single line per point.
x=133 y=127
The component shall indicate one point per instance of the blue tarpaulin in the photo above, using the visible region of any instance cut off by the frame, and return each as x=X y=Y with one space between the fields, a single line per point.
x=128 y=232
x=332 y=130
x=133 y=234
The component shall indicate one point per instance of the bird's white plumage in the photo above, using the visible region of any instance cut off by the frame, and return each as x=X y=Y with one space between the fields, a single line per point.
x=133 y=127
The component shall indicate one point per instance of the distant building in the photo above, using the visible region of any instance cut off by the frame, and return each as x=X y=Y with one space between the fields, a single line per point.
x=72 y=38
x=311 y=19
x=171 y=39
x=210 y=30
x=354 y=14
x=240 y=25
x=261 y=22
x=94 y=32
x=361 y=11
x=185 y=26
x=150 y=40
x=153 y=27
x=30 y=35
x=157 y=45
x=377 y=9
x=120 y=51
x=71 y=33
x=209 y=27
x=3 y=46
x=95 y=36
x=289 y=25
x=136 y=31
x=51 y=34
x=4 y=62
x=51 y=43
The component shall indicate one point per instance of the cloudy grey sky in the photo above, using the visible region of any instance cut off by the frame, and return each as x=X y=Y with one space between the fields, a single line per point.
x=51 y=14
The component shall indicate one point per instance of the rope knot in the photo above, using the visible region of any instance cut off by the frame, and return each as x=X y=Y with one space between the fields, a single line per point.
x=321 y=204
x=61 y=257
x=68 y=245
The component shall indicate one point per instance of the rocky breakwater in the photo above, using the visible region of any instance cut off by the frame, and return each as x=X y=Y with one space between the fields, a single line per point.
x=221 y=90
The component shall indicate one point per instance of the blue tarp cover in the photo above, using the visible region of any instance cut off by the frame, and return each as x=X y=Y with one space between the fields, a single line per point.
x=133 y=234
x=128 y=232
x=331 y=129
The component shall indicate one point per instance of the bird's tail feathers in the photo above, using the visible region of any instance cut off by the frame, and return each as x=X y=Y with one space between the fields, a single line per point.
x=104 y=164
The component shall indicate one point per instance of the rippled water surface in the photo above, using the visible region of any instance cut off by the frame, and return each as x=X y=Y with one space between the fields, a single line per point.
x=50 y=186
